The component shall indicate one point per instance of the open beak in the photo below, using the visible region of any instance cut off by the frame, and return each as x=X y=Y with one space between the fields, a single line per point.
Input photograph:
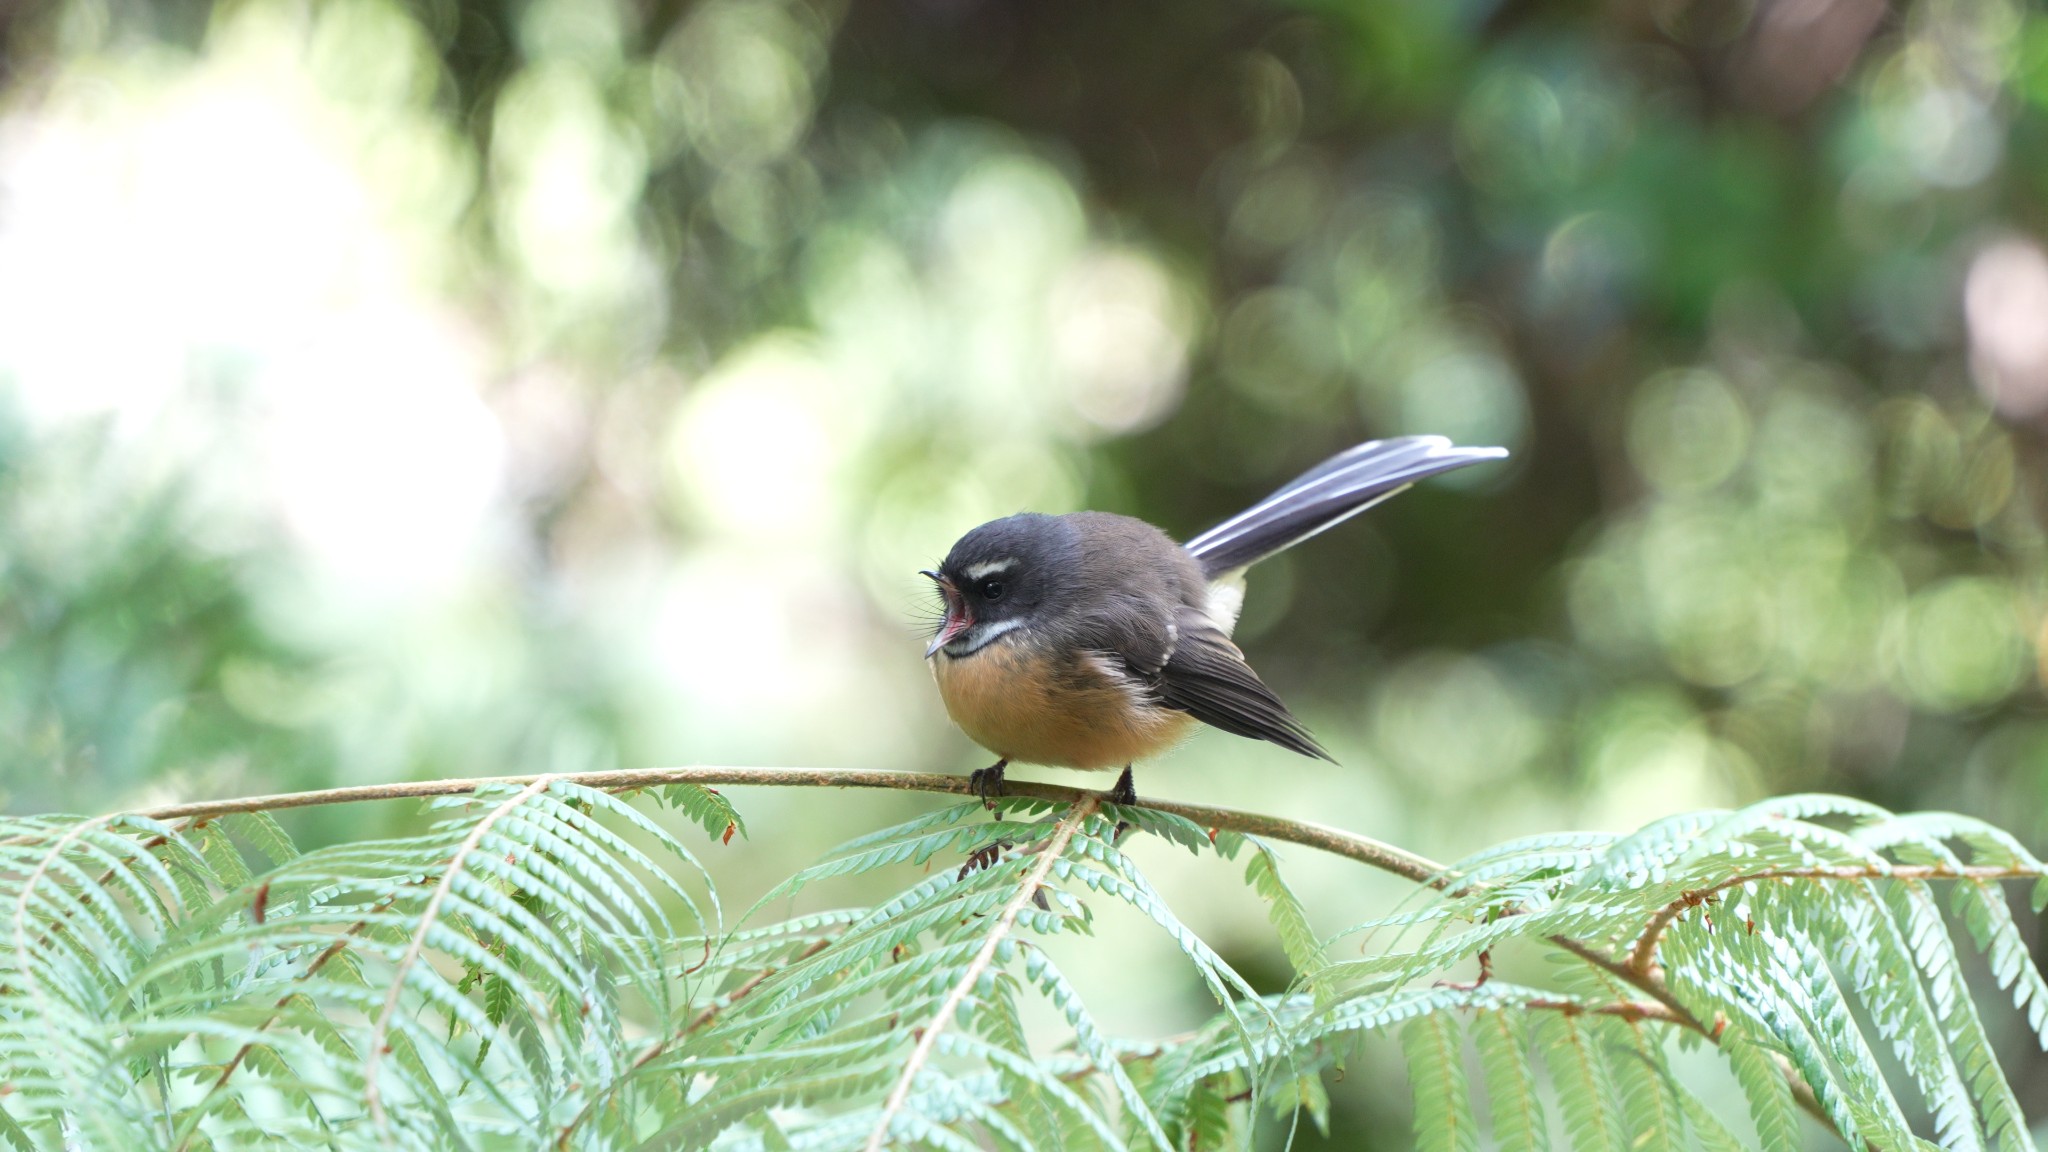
x=957 y=620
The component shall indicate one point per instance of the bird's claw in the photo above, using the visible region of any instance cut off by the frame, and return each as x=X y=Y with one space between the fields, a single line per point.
x=1124 y=792
x=988 y=783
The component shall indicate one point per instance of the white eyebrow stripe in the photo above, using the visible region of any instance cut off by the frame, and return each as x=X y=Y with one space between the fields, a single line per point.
x=990 y=568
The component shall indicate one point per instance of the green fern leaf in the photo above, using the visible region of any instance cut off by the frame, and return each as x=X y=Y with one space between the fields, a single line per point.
x=916 y=845
x=1302 y=1093
x=1290 y=920
x=1636 y=1062
x=221 y=855
x=1708 y=1132
x=708 y=807
x=1585 y=1093
x=1128 y=885
x=1883 y=971
x=1209 y=1125
x=1919 y=919
x=1040 y=971
x=1766 y=1089
x=1829 y=1049
x=15 y=1135
x=1517 y=1114
x=1436 y=1072
x=1049 y=1088
x=1178 y=830
x=1989 y=919
x=269 y=838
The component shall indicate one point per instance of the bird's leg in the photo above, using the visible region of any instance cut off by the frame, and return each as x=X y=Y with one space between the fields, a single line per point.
x=988 y=782
x=1125 y=792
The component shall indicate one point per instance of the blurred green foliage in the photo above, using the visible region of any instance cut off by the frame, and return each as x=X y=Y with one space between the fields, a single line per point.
x=458 y=388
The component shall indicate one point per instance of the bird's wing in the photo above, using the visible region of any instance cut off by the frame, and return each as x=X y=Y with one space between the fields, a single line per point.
x=1176 y=657
x=1206 y=677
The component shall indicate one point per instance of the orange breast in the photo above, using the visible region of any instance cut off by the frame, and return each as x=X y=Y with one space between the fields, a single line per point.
x=1027 y=707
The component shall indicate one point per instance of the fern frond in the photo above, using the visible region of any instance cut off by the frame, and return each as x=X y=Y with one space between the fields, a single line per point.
x=1436 y=1069
x=1502 y=1038
x=1122 y=880
x=1654 y=1115
x=327 y=984
x=1091 y=1044
x=545 y=966
x=992 y=939
x=1178 y=830
x=1886 y=973
x=1585 y=1088
x=1290 y=920
x=1989 y=919
x=1768 y=1091
x=708 y=807
x=913 y=843
x=1705 y=1129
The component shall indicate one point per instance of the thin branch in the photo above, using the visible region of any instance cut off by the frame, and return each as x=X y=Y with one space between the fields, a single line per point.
x=1651 y=983
x=1642 y=957
x=1629 y=1010
x=1485 y=974
x=1363 y=849
x=1048 y=854
x=1650 y=986
x=429 y=916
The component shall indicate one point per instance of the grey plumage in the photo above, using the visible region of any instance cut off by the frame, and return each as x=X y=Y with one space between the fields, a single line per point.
x=1102 y=603
x=1144 y=616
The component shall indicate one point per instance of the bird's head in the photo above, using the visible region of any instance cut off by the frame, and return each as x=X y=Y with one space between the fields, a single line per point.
x=997 y=579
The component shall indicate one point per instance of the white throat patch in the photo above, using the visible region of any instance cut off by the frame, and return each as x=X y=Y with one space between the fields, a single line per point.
x=979 y=636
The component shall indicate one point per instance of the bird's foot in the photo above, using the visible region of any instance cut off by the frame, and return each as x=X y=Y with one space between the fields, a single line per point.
x=1124 y=792
x=985 y=856
x=988 y=782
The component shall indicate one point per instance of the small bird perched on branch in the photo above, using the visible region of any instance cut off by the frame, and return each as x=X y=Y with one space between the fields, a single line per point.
x=1092 y=640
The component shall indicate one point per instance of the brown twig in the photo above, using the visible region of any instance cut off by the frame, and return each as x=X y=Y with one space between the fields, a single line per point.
x=1629 y=1010
x=1653 y=988
x=1642 y=957
x=1485 y=974
x=1363 y=849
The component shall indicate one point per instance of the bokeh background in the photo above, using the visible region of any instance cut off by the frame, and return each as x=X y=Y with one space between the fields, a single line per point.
x=477 y=386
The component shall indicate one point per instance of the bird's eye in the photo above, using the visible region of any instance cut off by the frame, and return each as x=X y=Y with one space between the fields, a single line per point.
x=991 y=589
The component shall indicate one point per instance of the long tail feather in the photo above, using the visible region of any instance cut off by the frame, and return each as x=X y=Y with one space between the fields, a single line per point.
x=1327 y=495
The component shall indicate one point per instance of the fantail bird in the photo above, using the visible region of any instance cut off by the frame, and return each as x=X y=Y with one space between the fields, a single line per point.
x=1092 y=640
